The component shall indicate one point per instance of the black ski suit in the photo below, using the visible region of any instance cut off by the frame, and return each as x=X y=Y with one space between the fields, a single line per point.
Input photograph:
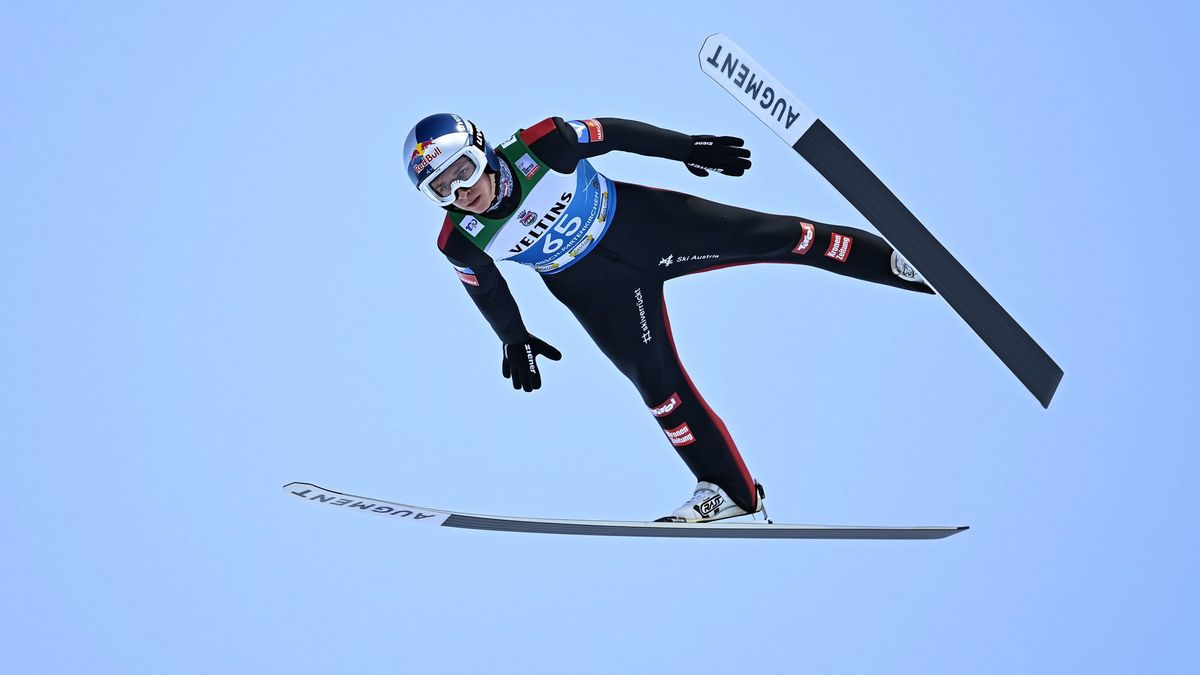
x=616 y=290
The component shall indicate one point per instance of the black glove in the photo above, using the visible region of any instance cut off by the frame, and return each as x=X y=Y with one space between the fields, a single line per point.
x=520 y=362
x=723 y=154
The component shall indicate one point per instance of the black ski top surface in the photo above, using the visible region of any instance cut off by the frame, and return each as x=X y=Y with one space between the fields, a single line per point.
x=776 y=107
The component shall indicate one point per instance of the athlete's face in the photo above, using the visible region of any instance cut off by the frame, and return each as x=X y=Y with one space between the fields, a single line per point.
x=478 y=197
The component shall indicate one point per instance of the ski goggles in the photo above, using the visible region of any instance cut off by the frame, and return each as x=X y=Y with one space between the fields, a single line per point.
x=463 y=169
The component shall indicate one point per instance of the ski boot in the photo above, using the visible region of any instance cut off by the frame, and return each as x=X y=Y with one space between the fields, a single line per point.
x=709 y=503
x=904 y=269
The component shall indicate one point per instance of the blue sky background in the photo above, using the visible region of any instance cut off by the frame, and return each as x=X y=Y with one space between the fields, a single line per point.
x=217 y=280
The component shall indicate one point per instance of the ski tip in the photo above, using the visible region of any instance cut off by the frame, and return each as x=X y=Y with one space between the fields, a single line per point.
x=704 y=46
x=297 y=484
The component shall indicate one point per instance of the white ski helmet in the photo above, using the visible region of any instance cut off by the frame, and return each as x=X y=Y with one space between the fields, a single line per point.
x=446 y=152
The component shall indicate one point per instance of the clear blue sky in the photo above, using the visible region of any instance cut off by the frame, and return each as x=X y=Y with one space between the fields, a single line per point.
x=217 y=280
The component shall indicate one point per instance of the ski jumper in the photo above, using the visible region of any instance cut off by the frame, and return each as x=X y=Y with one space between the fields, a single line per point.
x=606 y=248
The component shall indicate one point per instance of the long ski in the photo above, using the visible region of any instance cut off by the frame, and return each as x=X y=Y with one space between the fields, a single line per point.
x=764 y=96
x=418 y=514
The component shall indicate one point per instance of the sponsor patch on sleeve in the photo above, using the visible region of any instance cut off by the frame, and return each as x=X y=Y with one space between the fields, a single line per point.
x=839 y=247
x=587 y=131
x=681 y=435
x=667 y=407
x=581 y=130
x=467 y=275
x=806 y=239
x=597 y=131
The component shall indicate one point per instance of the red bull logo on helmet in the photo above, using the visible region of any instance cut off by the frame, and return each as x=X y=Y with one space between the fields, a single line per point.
x=422 y=155
x=421 y=148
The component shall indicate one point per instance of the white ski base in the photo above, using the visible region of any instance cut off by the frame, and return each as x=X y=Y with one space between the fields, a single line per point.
x=396 y=511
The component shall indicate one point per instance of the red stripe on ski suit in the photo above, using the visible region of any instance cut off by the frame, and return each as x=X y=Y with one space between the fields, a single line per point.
x=447 y=228
x=720 y=424
x=528 y=136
